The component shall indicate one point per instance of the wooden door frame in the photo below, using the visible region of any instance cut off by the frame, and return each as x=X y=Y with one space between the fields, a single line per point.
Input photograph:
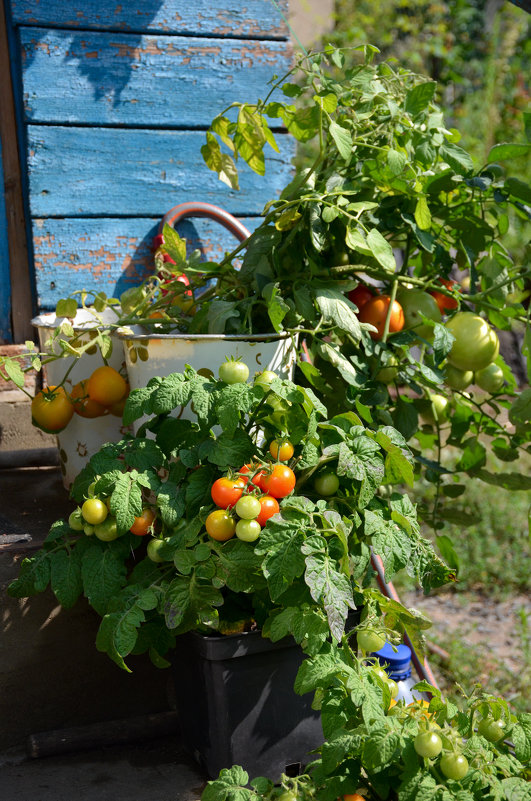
x=19 y=263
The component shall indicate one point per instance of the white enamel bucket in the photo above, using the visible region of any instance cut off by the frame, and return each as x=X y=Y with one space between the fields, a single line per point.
x=82 y=437
x=150 y=354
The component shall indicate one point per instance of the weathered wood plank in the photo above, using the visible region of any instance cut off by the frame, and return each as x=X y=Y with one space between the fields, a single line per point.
x=128 y=79
x=110 y=255
x=21 y=286
x=111 y=171
x=252 y=18
x=5 y=281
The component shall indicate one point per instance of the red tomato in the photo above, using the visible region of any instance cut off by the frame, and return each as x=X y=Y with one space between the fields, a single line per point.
x=268 y=507
x=361 y=294
x=280 y=481
x=375 y=313
x=444 y=302
x=257 y=477
x=143 y=523
x=226 y=492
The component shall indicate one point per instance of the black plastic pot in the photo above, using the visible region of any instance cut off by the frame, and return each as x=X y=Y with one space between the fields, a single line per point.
x=237 y=705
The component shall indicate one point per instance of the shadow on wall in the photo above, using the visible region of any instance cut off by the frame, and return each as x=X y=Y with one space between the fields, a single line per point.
x=107 y=83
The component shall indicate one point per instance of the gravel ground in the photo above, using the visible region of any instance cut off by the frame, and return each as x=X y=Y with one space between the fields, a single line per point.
x=495 y=630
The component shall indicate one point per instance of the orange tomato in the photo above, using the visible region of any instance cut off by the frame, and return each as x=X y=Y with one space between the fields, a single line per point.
x=444 y=302
x=51 y=409
x=375 y=313
x=106 y=385
x=84 y=405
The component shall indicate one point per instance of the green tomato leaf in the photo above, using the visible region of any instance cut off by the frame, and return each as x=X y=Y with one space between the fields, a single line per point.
x=336 y=309
x=342 y=139
x=422 y=214
x=330 y=588
x=66 y=581
x=504 y=152
x=456 y=157
x=103 y=572
x=381 y=250
x=419 y=98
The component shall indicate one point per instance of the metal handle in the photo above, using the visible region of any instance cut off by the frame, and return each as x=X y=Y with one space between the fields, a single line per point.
x=198 y=209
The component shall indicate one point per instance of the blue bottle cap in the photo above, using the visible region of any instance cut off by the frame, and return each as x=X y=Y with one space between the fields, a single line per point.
x=395 y=661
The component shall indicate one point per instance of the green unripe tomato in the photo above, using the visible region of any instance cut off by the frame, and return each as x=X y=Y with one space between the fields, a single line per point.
x=454 y=766
x=233 y=371
x=434 y=409
x=153 y=550
x=388 y=371
x=107 y=531
x=247 y=507
x=428 y=744
x=492 y=730
x=393 y=687
x=370 y=641
x=415 y=304
x=326 y=484
x=248 y=530
x=476 y=343
x=88 y=529
x=75 y=520
x=490 y=378
x=265 y=377
x=456 y=378
x=94 y=511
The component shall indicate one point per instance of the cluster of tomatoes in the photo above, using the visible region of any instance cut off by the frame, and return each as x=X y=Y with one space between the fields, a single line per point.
x=94 y=517
x=475 y=347
x=105 y=392
x=247 y=500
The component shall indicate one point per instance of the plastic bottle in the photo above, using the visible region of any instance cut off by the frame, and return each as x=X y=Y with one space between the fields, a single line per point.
x=397 y=665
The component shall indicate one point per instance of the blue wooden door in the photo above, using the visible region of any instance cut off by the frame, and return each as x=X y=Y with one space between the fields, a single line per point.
x=115 y=99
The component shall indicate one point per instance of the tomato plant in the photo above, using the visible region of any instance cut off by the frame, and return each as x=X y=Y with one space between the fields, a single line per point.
x=143 y=523
x=375 y=312
x=454 y=766
x=279 y=481
x=234 y=371
x=428 y=744
x=476 y=344
x=94 y=511
x=220 y=525
x=106 y=385
x=281 y=449
x=51 y=409
x=226 y=492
